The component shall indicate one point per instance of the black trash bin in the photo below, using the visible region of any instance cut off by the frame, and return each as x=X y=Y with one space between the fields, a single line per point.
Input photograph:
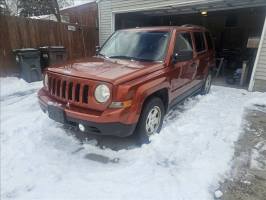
x=28 y=61
x=51 y=55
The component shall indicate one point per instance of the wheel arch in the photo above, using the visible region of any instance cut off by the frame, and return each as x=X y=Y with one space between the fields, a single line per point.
x=157 y=88
x=162 y=94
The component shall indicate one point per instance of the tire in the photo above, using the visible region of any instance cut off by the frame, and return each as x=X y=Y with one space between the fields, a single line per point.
x=207 y=84
x=149 y=110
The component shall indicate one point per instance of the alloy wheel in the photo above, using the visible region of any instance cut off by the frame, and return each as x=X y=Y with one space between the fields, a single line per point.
x=153 y=120
x=208 y=84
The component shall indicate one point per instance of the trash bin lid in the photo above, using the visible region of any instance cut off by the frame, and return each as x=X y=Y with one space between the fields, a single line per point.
x=57 y=47
x=52 y=48
x=47 y=49
x=27 y=52
x=24 y=50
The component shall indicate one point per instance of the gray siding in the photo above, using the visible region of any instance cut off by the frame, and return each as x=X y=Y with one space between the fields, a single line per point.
x=260 y=73
x=260 y=85
x=105 y=20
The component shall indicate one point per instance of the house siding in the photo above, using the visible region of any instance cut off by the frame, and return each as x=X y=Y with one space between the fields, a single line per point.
x=105 y=20
x=261 y=68
x=260 y=73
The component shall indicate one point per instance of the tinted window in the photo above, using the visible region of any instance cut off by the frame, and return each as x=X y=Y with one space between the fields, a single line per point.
x=209 y=40
x=199 y=41
x=183 y=42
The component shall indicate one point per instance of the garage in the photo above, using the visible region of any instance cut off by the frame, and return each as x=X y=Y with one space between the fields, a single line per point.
x=237 y=29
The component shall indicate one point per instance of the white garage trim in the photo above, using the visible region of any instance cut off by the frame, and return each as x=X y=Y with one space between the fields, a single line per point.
x=167 y=6
x=114 y=12
x=252 y=79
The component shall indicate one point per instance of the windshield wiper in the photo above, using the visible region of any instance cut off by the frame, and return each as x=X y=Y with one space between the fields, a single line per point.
x=122 y=57
x=130 y=58
x=100 y=54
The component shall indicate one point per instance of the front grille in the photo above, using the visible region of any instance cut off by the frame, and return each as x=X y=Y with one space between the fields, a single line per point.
x=68 y=90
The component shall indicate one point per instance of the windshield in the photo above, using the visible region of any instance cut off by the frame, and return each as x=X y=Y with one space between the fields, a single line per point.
x=137 y=45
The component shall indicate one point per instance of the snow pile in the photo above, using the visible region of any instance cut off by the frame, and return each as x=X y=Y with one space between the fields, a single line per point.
x=12 y=86
x=218 y=194
x=39 y=160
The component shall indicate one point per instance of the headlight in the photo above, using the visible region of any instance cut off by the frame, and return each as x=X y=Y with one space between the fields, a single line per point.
x=102 y=93
x=45 y=81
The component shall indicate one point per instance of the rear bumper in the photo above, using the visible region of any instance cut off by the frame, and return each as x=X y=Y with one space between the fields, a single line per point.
x=74 y=118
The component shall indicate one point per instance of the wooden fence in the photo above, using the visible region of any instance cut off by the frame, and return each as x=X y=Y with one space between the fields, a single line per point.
x=18 y=32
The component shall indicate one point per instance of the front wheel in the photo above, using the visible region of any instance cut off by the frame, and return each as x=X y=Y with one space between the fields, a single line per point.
x=207 y=84
x=151 y=119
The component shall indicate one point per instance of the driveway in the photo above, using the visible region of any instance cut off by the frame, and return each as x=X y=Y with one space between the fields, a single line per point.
x=247 y=179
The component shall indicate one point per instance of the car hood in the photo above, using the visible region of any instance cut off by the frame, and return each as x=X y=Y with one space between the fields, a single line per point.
x=109 y=70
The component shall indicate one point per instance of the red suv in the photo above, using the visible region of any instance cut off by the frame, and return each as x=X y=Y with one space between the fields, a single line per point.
x=135 y=78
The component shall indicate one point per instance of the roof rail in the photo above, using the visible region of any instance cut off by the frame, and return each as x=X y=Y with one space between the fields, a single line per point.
x=192 y=25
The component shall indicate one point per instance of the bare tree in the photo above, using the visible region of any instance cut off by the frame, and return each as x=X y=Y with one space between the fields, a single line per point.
x=56 y=10
x=12 y=6
x=65 y=3
x=4 y=8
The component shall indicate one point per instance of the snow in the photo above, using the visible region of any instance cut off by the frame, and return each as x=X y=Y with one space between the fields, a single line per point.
x=218 y=194
x=12 y=86
x=193 y=152
x=50 y=17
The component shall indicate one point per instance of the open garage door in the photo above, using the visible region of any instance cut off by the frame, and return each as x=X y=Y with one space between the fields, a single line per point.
x=236 y=30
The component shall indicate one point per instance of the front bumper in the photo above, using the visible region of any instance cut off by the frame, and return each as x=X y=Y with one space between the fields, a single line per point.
x=93 y=123
x=114 y=129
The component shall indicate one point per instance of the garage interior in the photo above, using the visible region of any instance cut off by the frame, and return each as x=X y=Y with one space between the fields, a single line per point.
x=236 y=31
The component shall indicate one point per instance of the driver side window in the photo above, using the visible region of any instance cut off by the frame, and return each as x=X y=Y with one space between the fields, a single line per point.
x=183 y=43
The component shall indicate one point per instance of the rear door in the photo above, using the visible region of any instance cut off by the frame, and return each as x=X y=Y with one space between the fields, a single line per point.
x=211 y=51
x=202 y=57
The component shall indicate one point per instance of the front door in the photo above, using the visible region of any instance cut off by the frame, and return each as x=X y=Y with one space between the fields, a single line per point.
x=184 y=70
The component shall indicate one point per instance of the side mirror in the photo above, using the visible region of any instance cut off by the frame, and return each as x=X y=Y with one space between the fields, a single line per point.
x=97 y=49
x=182 y=56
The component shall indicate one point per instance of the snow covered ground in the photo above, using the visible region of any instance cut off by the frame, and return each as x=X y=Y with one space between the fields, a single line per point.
x=39 y=160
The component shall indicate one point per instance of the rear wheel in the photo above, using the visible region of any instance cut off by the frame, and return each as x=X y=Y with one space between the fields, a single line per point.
x=151 y=119
x=207 y=84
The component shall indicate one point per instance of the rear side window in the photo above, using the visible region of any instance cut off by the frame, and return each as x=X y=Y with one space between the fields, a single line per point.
x=199 y=41
x=209 y=40
x=183 y=42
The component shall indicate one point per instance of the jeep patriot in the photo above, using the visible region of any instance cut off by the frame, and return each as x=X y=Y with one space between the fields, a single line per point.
x=135 y=78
